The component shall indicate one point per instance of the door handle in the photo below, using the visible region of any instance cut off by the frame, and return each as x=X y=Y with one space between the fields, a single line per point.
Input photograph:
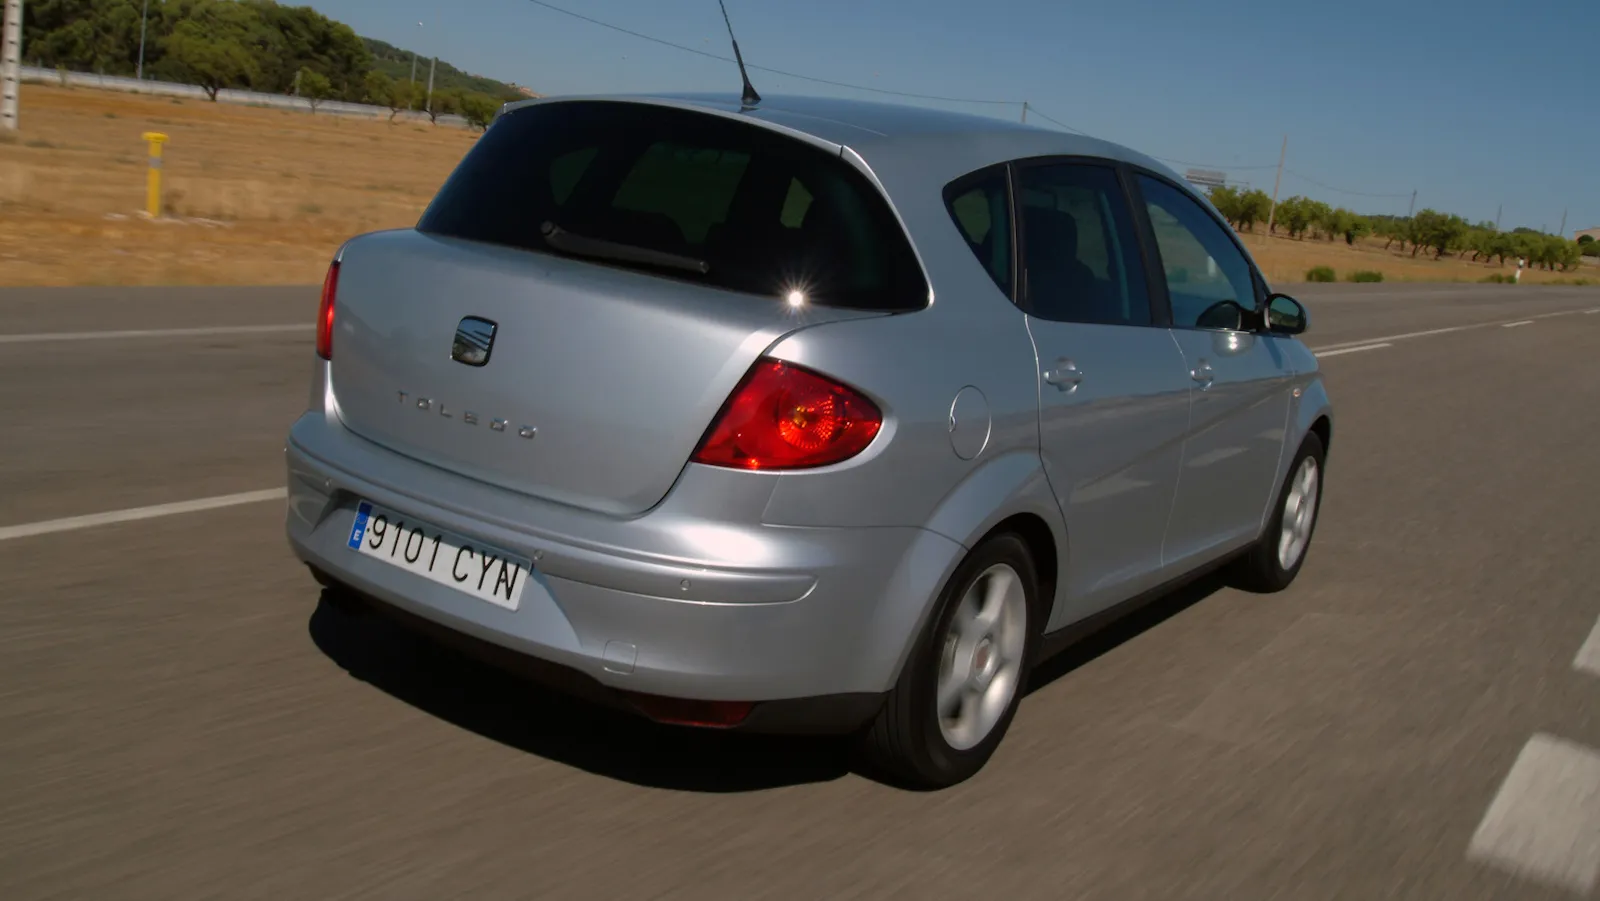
x=1065 y=376
x=1203 y=374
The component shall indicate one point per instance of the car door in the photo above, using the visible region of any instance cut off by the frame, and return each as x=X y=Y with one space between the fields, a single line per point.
x=1113 y=386
x=1241 y=376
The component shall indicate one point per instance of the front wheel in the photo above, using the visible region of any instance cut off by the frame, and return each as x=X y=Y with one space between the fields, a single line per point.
x=962 y=683
x=1277 y=556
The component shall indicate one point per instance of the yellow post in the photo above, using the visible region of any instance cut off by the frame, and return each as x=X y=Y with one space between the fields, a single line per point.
x=152 y=197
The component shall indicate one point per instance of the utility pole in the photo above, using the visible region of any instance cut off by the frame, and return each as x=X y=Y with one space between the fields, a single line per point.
x=431 y=66
x=1024 y=112
x=1273 y=210
x=10 y=64
x=1413 y=204
x=413 y=91
x=1563 y=231
x=1497 y=211
x=144 y=17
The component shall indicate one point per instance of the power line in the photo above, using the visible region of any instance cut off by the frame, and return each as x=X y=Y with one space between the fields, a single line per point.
x=1053 y=121
x=1214 y=165
x=1342 y=190
x=986 y=101
x=838 y=84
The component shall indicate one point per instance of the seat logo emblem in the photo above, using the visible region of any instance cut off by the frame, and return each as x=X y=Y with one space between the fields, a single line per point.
x=474 y=340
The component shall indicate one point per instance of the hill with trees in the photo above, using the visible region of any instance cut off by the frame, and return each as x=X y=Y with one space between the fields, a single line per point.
x=396 y=63
x=257 y=45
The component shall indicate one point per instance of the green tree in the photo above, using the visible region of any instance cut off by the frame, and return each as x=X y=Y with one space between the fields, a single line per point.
x=1440 y=231
x=1320 y=214
x=315 y=87
x=1295 y=215
x=90 y=35
x=1356 y=228
x=302 y=38
x=217 y=45
x=1226 y=200
x=1254 y=205
x=1339 y=223
x=479 y=110
x=381 y=90
x=444 y=103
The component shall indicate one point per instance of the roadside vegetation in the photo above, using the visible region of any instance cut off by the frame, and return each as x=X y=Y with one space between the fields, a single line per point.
x=1427 y=235
x=254 y=45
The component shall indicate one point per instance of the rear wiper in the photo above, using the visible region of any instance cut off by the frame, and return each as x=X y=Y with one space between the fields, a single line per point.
x=568 y=242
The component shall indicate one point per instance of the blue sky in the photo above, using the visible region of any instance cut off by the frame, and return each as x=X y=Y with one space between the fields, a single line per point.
x=1472 y=104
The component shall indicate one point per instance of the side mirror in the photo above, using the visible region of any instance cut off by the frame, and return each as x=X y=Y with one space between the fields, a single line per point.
x=1285 y=315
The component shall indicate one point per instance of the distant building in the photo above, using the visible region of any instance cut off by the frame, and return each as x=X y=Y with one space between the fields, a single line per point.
x=1591 y=232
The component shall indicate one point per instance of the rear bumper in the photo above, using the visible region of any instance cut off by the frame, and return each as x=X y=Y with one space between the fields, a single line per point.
x=819 y=715
x=671 y=604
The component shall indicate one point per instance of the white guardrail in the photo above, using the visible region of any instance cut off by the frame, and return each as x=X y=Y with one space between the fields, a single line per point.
x=39 y=75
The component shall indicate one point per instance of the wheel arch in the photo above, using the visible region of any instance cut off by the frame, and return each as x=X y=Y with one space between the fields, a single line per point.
x=1313 y=415
x=1009 y=493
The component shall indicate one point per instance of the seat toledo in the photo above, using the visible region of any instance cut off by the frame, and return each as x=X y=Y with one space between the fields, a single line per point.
x=807 y=415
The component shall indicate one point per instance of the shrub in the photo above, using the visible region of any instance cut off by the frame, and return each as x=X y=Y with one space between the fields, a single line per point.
x=1321 y=274
x=1366 y=275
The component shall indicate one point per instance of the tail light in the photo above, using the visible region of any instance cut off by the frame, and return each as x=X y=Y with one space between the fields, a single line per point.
x=330 y=287
x=785 y=417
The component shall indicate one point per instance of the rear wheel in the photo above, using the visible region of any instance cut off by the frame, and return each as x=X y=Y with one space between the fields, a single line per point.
x=1277 y=556
x=963 y=681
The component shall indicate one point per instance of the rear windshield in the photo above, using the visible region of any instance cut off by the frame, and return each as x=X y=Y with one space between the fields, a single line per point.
x=684 y=195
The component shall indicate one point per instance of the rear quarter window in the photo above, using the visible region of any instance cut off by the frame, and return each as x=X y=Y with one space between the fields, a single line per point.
x=766 y=214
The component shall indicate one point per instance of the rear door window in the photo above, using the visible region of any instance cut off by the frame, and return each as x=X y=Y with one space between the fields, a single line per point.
x=708 y=199
x=1080 y=255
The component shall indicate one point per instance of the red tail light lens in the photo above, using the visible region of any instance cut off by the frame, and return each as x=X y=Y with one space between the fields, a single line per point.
x=785 y=417
x=330 y=287
x=680 y=712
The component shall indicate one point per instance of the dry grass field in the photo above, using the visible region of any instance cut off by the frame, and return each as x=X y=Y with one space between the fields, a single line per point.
x=254 y=196
x=1284 y=259
x=261 y=196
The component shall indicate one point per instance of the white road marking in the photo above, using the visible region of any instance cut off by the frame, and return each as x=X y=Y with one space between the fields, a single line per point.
x=1591 y=312
x=72 y=523
x=1352 y=350
x=1544 y=824
x=157 y=333
x=1390 y=338
x=1515 y=324
x=1440 y=331
x=1588 y=659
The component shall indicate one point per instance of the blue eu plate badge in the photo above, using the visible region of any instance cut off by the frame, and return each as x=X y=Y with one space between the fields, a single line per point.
x=358 y=530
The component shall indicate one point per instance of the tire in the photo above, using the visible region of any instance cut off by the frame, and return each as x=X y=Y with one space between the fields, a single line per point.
x=909 y=742
x=1263 y=569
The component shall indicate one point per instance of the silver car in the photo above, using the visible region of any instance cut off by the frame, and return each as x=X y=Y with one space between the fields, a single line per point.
x=808 y=416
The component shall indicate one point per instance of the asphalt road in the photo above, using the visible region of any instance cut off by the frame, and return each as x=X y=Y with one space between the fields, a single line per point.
x=181 y=718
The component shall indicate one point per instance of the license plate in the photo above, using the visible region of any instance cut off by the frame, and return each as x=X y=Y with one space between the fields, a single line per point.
x=487 y=573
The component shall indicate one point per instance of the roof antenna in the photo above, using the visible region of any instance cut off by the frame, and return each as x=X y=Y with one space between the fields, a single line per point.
x=750 y=98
